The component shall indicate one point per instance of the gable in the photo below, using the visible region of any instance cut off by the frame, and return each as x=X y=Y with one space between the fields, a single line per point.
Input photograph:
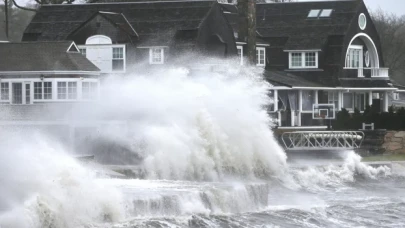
x=57 y=22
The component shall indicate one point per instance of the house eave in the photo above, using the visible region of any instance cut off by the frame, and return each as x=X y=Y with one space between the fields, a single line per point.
x=49 y=72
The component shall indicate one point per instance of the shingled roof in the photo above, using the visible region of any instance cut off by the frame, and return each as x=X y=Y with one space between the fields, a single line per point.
x=44 y=57
x=148 y=19
x=291 y=20
x=281 y=78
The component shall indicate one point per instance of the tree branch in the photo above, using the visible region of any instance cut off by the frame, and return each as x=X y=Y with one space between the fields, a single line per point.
x=23 y=8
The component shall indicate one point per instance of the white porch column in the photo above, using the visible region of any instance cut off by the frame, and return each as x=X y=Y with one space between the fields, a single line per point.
x=299 y=107
x=385 y=102
x=370 y=98
x=316 y=97
x=292 y=118
x=340 y=101
x=275 y=100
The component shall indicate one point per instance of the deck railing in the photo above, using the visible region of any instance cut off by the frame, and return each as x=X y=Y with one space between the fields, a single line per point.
x=367 y=72
x=322 y=140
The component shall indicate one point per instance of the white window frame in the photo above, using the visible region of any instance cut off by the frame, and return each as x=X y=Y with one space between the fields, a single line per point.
x=240 y=56
x=162 y=55
x=303 y=62
x=111 y=46
x=123 y=58
x=42 y=90
x=353 y=101
x=96 y=91
x=395 y=96
x=83 y=51
x=8 y=91
x=348 y=64
x=258 y=59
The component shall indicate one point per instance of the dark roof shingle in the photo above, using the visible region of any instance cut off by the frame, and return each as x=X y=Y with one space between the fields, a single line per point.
x=42 y=56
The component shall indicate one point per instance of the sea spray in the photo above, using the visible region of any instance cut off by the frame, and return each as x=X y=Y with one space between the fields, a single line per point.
x=194 y=126
x=323 y=177
x=41 y=186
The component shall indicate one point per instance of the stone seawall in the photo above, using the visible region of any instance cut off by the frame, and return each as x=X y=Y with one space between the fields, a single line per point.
x=394 y=142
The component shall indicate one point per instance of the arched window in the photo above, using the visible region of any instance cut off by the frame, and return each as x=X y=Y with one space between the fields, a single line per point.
x=99 y=39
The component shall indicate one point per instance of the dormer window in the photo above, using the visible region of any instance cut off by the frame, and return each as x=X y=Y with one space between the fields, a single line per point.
x=261 y=56
x=156 y=56
x=303 y=59
x=319 y=13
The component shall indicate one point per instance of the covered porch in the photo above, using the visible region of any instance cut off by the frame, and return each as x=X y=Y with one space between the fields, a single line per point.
x=293 y=107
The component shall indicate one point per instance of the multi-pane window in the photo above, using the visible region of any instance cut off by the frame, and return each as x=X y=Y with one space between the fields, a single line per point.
x=42 y=90
x=83 y=51
x=303 y=59
x=118 y=59
x=353 y=58
x=296 y=59
x=37 y=90
x=156 y=56
x=89 y=90
x=47 y=90
x=333 y=98
x=72 y=90
x=310 y=59
x=4 y=91
x=62 y=90
x=260 y=56
x=27 y=93
x=67 y=90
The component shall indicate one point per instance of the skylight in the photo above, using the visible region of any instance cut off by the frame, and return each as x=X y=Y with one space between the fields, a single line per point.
x=314 y=13
x=326 y=13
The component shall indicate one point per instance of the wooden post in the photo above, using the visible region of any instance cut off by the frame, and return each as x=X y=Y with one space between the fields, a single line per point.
x=275 y=100
x=370 y=98
x=299 y=108
x=247 y=27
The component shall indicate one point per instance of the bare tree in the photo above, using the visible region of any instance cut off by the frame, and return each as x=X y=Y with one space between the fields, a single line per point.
x=391 y=29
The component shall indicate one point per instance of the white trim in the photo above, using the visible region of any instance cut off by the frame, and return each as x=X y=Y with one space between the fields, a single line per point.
x=303 y=127
x=308 y=50
x=162 y=56
x=99 y=36
x=258 y=50
x=240 y=42
x=49 y=72
x=340 y=88
x=73 y=44
x=373 y=44
x=149 y=47
x=240 y=47
x=365 y=21
x=303 y=62
x=262 y=45
x=129 y=24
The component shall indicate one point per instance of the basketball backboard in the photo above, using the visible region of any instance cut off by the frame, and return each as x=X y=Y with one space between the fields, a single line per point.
x=323 y=111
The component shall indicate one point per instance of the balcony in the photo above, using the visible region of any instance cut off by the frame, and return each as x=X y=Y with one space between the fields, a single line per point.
x=370 y=72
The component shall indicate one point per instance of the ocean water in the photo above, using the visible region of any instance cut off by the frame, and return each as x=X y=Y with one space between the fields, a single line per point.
x=204 y=143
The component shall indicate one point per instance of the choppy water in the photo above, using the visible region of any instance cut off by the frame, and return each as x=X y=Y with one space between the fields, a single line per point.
x=209 y=159
x=328 y=196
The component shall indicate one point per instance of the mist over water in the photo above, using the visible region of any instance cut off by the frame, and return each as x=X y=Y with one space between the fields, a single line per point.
x=204 y=144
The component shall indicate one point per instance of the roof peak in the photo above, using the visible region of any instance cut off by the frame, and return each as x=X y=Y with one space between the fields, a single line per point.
x=308 y=1
x=140 y=2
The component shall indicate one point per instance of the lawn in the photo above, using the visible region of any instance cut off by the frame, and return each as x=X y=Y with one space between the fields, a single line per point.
x=388 y=157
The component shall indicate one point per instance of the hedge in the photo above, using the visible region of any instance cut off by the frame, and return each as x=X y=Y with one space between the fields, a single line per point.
x=394 y=119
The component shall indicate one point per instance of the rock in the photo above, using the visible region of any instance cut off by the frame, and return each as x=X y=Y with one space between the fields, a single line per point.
x=400 y=134
x=393 y=146
x=390 y=134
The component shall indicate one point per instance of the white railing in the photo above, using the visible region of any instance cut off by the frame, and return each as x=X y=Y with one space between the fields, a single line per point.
x=370 y=71
x=322 y=140
x=379 y=72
